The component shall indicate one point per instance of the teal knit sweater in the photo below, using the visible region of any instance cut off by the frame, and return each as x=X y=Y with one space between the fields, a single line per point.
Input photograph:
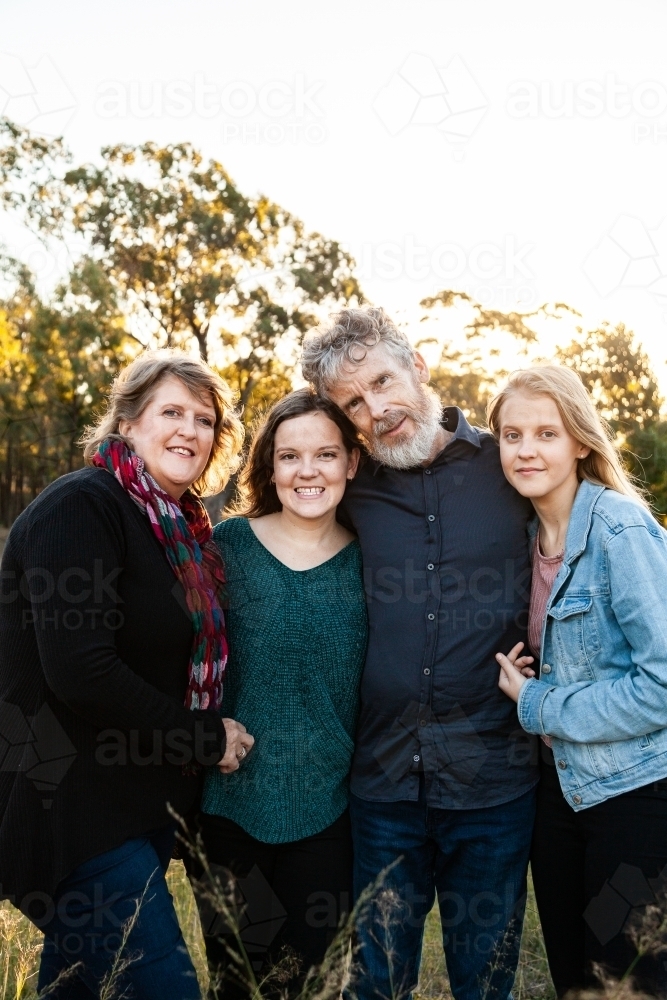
x=297 y=641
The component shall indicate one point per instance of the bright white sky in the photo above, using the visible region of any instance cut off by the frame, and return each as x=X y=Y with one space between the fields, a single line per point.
x=344 y=113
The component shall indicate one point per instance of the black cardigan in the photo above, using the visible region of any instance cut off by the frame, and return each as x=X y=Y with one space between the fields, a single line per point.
x=95 y=641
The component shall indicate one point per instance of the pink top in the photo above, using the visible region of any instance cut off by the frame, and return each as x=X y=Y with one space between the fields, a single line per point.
x=545 y=570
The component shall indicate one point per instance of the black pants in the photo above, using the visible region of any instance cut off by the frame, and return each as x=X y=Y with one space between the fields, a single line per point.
x=594 y=871
x=293 y=895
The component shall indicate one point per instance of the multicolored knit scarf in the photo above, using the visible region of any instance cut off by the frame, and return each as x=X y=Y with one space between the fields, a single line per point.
x=183 y=528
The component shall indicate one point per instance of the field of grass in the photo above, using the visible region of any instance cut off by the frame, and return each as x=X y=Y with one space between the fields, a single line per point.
x=20 y=945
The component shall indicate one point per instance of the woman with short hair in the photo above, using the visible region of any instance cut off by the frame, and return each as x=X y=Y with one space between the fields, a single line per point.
x=297 y=640
x=598 y=625
x=112 y=655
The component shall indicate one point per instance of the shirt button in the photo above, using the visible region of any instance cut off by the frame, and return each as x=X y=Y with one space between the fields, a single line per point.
x=430 y=566
x=577 y=800
x=431 y=517
x=546 y=669
x=431 y=617
x=562 y=764
x=422 y=722
x=416 y=758
x=427 y=472
x=427 y=670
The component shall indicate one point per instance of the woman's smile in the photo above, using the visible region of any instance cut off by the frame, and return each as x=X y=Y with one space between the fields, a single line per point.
x=309 y=491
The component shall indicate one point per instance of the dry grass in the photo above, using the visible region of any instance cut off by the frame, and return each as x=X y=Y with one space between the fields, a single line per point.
x=20 y=944
x=188 y=918
x=532 y=979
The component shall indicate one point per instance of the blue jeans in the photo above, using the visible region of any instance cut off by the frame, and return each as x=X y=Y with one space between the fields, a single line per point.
x=85 y=924
x=475 y=860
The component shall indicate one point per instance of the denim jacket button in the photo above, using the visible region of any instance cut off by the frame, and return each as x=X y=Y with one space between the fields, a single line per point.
x=576 y=799
x=562 y=764
x=546 y=669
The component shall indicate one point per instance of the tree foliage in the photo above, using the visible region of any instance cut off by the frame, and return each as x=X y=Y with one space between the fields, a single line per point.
x=175 y=255
x=460 y=380
x=485 y=321
x=617 y=372
x=463 y=377
x=192 y=258
x=56 y=362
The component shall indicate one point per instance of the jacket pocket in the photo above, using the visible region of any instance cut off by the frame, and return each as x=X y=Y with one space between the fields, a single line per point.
x=575 y=634
x=568 y=606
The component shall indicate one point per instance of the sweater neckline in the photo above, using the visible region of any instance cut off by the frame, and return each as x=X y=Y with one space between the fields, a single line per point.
x=547 y=559
x=288 y=569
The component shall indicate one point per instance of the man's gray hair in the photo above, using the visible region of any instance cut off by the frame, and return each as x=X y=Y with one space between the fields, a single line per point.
x=345 y=340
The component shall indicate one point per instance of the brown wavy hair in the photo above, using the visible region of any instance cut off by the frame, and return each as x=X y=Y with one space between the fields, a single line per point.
x=135 y=386
x=257 y=494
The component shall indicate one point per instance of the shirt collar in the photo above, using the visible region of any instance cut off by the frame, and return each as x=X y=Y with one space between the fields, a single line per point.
x=453 y=419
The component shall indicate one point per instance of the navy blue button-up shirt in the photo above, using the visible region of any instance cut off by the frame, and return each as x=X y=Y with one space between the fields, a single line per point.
x=447 y=579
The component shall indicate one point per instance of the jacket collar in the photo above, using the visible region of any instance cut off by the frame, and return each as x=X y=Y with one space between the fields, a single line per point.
x=580 y=520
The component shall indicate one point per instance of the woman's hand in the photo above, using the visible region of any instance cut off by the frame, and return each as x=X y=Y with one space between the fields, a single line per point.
x=514 y=671
x=239 y=745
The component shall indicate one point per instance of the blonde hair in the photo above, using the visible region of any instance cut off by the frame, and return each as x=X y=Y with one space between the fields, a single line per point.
x=603 y=466
x=134 y=388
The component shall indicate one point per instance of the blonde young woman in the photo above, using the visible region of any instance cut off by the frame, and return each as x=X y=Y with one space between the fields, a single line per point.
x=112 y=652
x=598 y=627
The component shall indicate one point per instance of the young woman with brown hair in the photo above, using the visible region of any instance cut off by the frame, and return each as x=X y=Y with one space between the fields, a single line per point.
x=297 y=638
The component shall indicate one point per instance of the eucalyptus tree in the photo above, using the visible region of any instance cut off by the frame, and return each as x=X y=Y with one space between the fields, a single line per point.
x=192 y=260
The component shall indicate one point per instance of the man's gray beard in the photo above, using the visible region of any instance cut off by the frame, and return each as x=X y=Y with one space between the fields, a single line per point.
x=416 y=451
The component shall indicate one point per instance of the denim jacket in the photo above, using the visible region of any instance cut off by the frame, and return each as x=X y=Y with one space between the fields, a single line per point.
x=602 y=692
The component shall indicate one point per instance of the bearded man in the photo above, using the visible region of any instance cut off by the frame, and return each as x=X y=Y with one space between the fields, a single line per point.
x=443 y=778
